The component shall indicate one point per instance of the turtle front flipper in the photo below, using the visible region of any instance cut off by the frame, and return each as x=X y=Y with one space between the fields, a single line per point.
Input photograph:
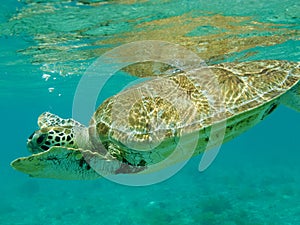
x=70 y=164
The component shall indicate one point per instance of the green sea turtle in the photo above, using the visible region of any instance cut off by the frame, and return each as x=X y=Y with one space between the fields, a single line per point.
x=141 y=126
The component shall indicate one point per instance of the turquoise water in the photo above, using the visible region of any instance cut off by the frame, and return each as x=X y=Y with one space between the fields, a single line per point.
x=255 y=178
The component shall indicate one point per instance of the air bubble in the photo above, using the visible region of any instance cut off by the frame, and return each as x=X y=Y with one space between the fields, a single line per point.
x=46 y=76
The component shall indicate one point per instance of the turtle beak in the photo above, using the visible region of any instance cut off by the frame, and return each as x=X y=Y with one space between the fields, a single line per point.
x=29 y=143
x=30 y=146
x=30 y=137
x=33 y=142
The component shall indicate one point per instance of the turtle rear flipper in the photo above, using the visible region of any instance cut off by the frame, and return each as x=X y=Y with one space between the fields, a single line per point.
x=70 y=164
x=292 y=98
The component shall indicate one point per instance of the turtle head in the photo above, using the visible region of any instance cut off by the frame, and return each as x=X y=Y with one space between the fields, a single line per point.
x=55 y=131
x=43 y=139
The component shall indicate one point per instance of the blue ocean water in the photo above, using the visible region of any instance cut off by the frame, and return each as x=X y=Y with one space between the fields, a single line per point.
x=255 y=178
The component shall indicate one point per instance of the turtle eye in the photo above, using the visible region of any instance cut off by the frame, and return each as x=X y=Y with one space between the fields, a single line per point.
x=41 y=138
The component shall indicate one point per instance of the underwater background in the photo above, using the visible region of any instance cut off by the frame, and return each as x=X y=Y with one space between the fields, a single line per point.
x=45 y=48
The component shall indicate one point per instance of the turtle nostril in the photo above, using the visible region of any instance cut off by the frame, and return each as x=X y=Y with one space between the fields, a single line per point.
x=31 y=136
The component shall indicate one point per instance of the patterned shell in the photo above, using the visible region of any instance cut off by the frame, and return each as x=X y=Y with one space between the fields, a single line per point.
x=169 y=106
